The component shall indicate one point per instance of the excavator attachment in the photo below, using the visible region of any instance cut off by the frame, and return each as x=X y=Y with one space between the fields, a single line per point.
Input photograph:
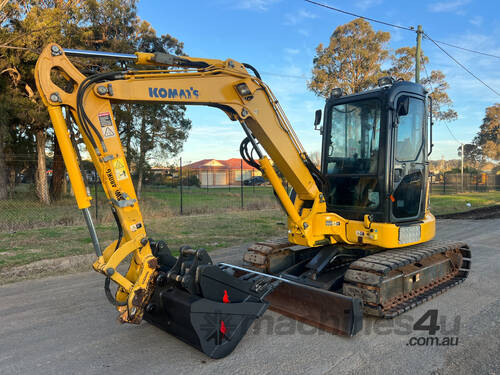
x=200 y=303
x=212 y=306
x=328 y=311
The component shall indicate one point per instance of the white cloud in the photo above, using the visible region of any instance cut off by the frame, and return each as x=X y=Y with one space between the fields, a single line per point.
x=448 y=6
x=365 y=4
x=261 y=5
x=292 y=51
x=297 y=17
x=476 y=20
x=304 y=32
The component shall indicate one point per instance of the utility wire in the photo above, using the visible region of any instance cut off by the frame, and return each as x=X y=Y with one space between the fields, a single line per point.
x=359 y=16
x=411 y=28
x=469 y=50
x=460 y=64
x=432 y=89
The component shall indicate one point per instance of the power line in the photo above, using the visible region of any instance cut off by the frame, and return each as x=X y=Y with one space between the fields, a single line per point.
x=357 y=15
x=460 y=64
x=468 y=50
x=432 y=89
x=411 y=28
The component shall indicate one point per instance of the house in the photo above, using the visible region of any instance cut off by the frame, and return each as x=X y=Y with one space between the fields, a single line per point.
x=213 y=172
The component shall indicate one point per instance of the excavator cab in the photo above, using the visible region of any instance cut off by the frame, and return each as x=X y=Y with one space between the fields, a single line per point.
x=375 y=154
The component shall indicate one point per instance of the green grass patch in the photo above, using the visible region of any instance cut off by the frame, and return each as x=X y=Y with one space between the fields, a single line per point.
x=212 y=220
x=206 y=231
x=446 y=204
x=25 y=212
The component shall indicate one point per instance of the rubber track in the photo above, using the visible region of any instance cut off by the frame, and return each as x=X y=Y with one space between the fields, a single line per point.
x=380 y=264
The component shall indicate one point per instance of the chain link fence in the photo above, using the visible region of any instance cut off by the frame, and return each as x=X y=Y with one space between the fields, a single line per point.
x=453 y=183
x=170 y=192
x=177 y=191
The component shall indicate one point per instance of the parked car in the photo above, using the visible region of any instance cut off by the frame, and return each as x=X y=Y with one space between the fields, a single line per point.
x=255 y=181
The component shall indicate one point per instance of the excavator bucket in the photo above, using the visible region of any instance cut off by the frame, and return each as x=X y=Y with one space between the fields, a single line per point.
x=202 y=304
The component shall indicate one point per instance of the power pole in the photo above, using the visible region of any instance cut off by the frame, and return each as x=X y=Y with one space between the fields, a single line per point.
x=180 y=177
x=418 y=53
x=462 y=168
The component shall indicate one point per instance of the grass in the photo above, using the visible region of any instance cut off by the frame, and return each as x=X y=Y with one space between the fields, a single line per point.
x=24 y=212
x=207 y=231
x=446 y=204
x=213 y=219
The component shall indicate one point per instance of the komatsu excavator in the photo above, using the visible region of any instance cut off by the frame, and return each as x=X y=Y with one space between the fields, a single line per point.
x=359 y=229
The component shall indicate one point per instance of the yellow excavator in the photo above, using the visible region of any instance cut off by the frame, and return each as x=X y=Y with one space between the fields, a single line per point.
x=359 y=228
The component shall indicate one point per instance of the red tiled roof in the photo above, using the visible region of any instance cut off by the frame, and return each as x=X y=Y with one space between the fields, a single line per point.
x=233 y=163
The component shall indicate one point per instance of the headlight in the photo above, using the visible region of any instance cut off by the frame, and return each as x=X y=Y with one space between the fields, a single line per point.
x=409 y=234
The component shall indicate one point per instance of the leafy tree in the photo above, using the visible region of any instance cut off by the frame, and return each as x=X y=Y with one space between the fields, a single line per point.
x=154 y=129
x=488 y=137
x=403 y=67
x=352 y=60
x=472 y=154
x=26 y=31
x=162 y=129
x=90 y=24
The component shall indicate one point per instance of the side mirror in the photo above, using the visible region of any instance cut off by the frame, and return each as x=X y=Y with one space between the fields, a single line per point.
x=317 y=119
x=403 y=106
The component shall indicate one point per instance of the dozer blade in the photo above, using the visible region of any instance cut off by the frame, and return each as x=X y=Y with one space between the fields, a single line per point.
x=328 y=311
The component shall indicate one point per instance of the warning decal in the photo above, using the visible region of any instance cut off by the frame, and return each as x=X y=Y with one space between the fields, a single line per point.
x=106 y=124
x=108 y=132
x=120 y=172
x=105 y=119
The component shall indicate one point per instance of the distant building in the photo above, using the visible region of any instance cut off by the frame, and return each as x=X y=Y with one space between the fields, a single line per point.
x=213 y=172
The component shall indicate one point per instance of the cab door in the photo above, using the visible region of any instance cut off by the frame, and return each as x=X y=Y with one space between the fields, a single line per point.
x=409 y=159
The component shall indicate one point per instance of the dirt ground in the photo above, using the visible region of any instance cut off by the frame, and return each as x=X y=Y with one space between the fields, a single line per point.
x=64 y=324
x=491 y=212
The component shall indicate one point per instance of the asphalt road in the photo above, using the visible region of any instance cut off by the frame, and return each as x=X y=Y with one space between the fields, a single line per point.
x=64 y=325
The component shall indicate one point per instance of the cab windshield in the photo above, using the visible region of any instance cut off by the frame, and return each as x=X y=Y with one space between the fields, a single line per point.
x=352 y=154
x=354 y=138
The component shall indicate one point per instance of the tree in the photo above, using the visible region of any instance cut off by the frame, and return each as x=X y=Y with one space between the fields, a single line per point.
x=352 y=60
x=472 y=154
x=403 y=67
x=88 y=24
x=488 y=137
x=30 y=25
x=162 y=129
x=155 y=129
x=71 y=23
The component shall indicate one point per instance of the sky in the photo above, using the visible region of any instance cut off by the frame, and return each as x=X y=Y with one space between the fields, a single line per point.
x=279 y=38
